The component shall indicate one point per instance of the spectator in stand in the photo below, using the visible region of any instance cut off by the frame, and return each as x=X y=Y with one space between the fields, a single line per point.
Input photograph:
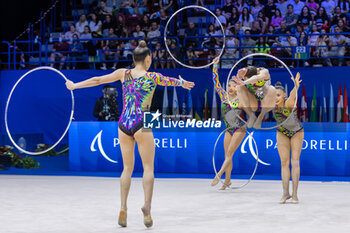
x=160 y=17
x=261 y=47
x=246 y=19
x=127 y=7
x=145 y=24
x=81 y=23
x=247 y=44
x=231 y=51
x=238 y=29
x=321 y=19
x=86 y=34
x=111 y=51
x=138 y=32
x=105 y=10
x=93 y=47
x=153 y=33
x=299 y=29
x=95 y=24
x=256 y=30
x=337 y=49
x=291 y=18
x=282 y=6
x=256 y=8
x=58 y=49
x=158 y=54
x=270 y=9
x=305 y=18
x=72 y=31
x=287 y=42
x=313 y=6
x=271 y=39
x=107 y=24
x=221 y=18
x=277 y=18
x=175 y=51
x=322 y=44
x=94 y=9
x=338 y=15
x=312 y=40
x=302 y=39
x=234 y=17
x=209 y=39
x=227 y=9
x=75 y=52
x=329 y=6
x=263 y=20
x=191 y=54
x=344 y=6
x=297 y=6
x=241 y=4
x=191 y=31
x=167 y=5
x=120 y=24
x=341 y=25
x=140 y=6
x=283 y=28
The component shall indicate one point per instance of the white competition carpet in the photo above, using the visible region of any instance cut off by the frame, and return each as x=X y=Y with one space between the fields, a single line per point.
x=45 y=204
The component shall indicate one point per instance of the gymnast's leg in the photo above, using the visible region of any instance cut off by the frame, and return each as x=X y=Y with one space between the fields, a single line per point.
x=127 y=146
x=283 y=146
x=296 y=145
x=249 y=102
x=267 y=104
x=145 y=143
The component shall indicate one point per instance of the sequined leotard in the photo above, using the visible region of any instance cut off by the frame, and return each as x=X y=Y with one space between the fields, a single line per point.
x=137 y=96
x=229 y=112
x=291 y=125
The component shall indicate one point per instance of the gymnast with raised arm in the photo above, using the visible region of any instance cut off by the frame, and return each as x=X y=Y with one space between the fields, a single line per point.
x=138 y=88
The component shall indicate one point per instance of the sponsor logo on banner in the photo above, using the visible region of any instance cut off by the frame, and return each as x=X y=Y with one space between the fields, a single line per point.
x=152 y=120
x=98 y=140
x=321 y=144
x=250 y=141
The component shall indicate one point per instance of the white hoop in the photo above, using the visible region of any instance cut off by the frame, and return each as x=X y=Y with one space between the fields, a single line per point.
x=285 y=66
x=222 y=30
x=256 y=164
x=8 y=101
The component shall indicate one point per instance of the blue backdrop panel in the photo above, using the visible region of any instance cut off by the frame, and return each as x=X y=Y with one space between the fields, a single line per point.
x=57 y=99
x=325 y=150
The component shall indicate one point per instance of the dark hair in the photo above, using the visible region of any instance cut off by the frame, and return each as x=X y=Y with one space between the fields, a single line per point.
x=106 y=86
x=279 y=86
x=141 y=52
x=251 y=71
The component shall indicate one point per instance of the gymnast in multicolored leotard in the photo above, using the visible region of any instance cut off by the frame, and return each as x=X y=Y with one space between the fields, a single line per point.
x=138 y=88
x=290 y=137
x=230 y=108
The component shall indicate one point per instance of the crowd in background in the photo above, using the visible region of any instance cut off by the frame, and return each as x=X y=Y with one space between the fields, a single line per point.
x=283 y=24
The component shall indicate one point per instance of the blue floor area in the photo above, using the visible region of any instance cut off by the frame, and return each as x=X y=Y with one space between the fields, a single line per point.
x=47 y=172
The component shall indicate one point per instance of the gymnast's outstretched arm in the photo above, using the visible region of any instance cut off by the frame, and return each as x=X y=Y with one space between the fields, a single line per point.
x=291 y=99
x=159 y=79
x=218 y=88
x=95 y=81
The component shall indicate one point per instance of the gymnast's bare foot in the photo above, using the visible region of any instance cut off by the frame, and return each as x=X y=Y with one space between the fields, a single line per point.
x=285 y=198
x=122 y=218
x=251 y=120
x=147 y=219
x=295 y=199
x=257 y=124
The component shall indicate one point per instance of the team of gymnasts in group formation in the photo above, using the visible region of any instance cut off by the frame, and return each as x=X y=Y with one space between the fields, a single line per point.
x=249 y=91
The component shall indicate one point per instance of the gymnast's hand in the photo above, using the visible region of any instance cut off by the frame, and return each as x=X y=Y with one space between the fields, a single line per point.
x=216 y=60
x=70 y=85
x=186 y=85
x=238 y=82
x=297 y=80
x=241 y=73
